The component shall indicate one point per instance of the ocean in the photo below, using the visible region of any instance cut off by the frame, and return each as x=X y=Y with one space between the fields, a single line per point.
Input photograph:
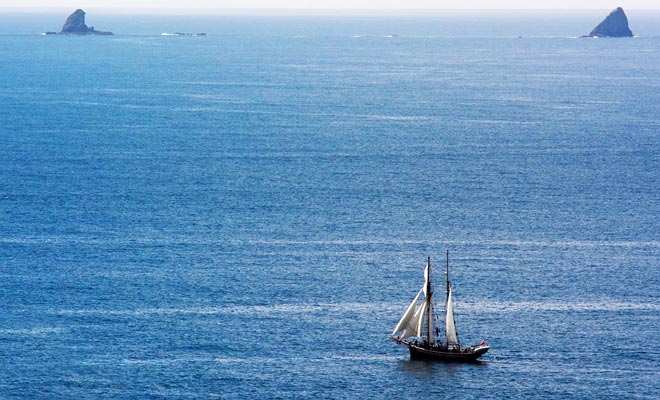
x=247 y=214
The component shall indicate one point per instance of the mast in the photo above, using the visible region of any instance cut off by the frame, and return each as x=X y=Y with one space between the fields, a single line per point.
x=447 y=300
x=429 y=297
x=447 y=274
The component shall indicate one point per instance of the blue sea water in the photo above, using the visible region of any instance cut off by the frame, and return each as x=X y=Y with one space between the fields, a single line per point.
x=247 y=214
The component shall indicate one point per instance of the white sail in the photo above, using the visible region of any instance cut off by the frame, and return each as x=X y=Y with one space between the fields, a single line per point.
x=452 y=337
x=416 y=324
x=408 y=315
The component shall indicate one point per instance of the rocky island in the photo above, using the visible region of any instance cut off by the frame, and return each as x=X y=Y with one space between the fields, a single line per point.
x=75 y=25
x=614 y=25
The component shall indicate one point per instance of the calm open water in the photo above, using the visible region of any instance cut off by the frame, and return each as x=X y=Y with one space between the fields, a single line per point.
x=247 y=214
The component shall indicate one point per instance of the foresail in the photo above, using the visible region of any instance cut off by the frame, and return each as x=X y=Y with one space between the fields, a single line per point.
x=416 y=324
x=452 y=337
x=412 y=321
x=408 y=315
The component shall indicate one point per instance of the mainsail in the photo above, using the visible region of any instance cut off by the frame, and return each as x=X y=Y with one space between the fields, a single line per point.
x=431 y=328
x=452 y=337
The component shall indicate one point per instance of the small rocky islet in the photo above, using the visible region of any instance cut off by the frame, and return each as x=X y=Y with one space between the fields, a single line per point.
x=75 y=25
x=614 y=25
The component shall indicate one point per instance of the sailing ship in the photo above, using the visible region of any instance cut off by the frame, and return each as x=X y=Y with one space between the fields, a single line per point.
x=418 y=329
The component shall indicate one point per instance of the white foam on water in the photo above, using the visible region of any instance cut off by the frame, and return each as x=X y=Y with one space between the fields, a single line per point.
x=217 y=98
x=296 y=66
x=257 y=310
x=166 y=361
x=500 y=122
x=107 y=90
x=140 y=107
x=516 y=307
x=246 y=360
x=364 y=357
x=31 y=331
x=226 y=83
x=137 y=40
x=243 y=111
x=365 y=308
x=395 y=117
x=515 y=243
x=141 y=311
x=86 y=103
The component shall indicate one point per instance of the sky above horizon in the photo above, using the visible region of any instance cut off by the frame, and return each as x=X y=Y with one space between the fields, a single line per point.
x=164 y=6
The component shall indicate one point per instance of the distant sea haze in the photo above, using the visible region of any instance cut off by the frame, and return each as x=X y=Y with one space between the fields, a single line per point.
x=436 y=24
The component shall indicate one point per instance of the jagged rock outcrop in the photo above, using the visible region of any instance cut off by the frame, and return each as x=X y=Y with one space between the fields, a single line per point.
x=75 y=25
x=615 y=25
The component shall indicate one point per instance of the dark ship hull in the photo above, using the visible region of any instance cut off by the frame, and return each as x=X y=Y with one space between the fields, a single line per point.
x=468 y=354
